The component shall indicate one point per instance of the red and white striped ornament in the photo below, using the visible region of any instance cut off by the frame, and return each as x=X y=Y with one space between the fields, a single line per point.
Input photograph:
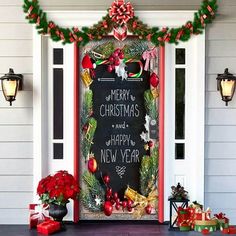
x=120 y=32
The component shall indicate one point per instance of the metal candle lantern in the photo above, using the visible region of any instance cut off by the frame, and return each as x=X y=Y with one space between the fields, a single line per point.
x=226 y=85
x=11 y=83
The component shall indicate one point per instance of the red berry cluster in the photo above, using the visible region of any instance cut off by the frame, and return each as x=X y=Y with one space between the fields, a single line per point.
x=114 y=59
x=114 y=200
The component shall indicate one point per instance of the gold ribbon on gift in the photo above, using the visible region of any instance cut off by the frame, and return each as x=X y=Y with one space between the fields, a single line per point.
x=141 y=201
x=206 y=222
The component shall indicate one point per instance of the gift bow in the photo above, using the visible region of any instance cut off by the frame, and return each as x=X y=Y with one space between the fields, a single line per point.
x=40 y=212
x=205 y=214
x=121 y=12
x=149 y=55
x=220 y=216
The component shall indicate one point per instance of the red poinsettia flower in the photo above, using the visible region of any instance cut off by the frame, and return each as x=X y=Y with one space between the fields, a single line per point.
x=58 y=188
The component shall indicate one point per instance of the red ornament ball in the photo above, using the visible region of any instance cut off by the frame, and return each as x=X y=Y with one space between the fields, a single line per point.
x=115 y=54
x=117 y=62
x=109 y=191
x=92 y=164
x=117 y=206
x=154 y=80
x=115 y=195
x=150 y=144
x=129 y=209
x=121 y=55
x=129 y=203
x=111 y=59
x=124 y=204
x=107 y=208
x=118 y=201
x=148 y=209
x=106 y=179
x=109 y=68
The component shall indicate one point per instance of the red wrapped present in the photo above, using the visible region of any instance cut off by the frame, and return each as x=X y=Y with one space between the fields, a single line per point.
x=184 y=226
x=183 y=215
x=202 y=215
x=48 y=227
x=223 y=221
x=191 y=211
x=230 y=230
x=38 y=213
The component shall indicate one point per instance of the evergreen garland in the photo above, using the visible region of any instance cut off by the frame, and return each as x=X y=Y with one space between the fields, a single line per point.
x=135 y=49
x=204 y=16
x=150 y=104
x=88 y=137
x=93 y=190
x=148 y=172
x=105 y=50
x=87 y=107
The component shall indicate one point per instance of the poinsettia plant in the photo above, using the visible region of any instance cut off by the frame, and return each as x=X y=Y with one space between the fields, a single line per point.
x=58 y=188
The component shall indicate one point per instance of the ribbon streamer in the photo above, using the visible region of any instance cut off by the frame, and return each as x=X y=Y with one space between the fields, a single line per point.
x=149 y=56
x=141 y=201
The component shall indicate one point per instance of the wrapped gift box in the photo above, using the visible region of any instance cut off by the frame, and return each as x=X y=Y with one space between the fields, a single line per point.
x=48 y=227
x=38 y=213
x=230 y=230
x=183 y=215
x=202 y=215
x=211 y=225
x=184 y=226
x=223 y=221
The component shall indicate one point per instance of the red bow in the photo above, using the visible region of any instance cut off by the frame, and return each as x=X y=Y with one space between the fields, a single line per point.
x=121 y=12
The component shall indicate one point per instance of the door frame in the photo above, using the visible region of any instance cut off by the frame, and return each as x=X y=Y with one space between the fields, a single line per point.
x=88 y=18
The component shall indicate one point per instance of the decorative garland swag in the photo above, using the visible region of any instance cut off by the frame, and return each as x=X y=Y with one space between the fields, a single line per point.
x=120 y=18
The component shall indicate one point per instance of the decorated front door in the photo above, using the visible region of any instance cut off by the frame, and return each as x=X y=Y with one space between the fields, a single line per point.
x=119 y=130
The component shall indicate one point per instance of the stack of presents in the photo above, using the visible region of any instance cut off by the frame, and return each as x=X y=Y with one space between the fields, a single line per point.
x=39 y=219
x=196 y=218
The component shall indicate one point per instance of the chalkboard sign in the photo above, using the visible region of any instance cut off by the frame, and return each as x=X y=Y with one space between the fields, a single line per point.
x=118 y=107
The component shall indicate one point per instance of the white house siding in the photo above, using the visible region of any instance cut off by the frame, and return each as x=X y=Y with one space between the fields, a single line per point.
x=16 y=154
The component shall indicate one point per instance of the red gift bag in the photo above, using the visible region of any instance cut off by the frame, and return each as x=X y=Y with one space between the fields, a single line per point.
x=48 y=227
x=38 y=213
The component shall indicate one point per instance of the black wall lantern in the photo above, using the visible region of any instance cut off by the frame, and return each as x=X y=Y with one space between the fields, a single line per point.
x=226 y=85
x=11 y=83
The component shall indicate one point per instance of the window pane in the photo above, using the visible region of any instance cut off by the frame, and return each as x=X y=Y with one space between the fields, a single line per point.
x=179 y=151
x=58 y=56
x=180 y=56
x=58 y=103
x=179 y=103
x=58 y=151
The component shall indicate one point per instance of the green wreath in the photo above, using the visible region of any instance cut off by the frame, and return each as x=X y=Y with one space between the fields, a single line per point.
x=158 y=37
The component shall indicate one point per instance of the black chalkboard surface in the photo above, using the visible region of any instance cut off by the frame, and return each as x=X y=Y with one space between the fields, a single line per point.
x=120 y=113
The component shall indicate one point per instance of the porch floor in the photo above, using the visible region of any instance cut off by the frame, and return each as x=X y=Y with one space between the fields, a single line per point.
x=101 y=229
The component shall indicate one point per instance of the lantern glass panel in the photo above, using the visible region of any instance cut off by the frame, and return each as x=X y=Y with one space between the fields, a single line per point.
x=10 y=87
x=227 y=87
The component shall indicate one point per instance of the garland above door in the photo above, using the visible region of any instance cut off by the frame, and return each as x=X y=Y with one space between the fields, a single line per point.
x=120 y=19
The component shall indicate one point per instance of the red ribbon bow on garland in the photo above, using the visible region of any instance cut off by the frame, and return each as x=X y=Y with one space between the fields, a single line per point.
x=121 y=12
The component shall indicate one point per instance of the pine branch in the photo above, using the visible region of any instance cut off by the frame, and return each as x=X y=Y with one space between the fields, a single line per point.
x=148 y=172
x=87 y=107
x=204 y=16
x=93 y=189
x=135 y=49
x=88 y=138
x=150 y=104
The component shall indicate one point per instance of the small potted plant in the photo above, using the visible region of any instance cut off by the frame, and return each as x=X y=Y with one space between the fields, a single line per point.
x=56 y=191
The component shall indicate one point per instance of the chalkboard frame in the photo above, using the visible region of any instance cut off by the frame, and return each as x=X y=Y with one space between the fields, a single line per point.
x=161 y=130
